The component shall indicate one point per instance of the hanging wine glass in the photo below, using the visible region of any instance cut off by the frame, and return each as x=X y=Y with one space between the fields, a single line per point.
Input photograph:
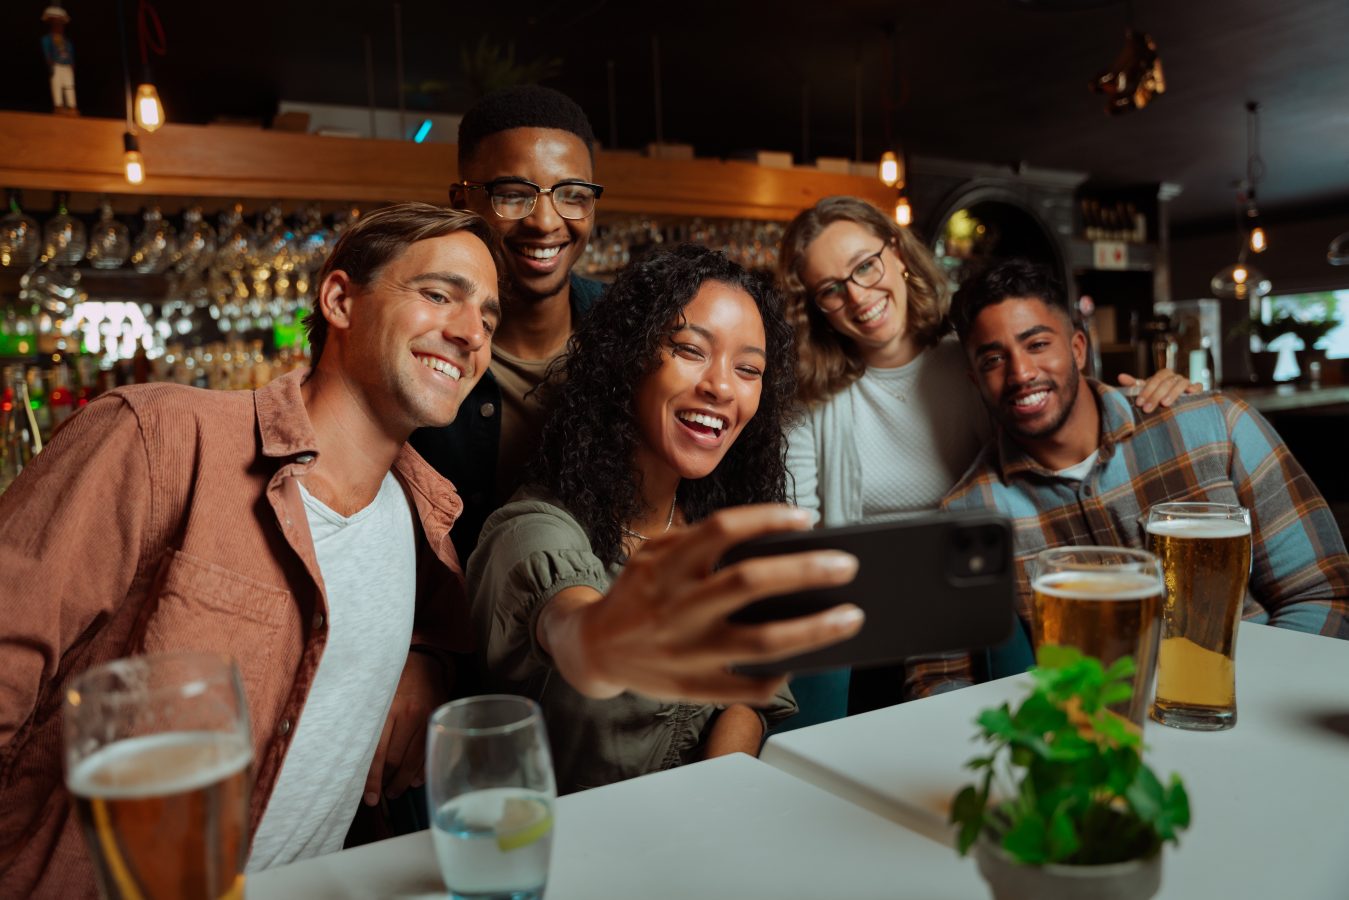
x=64 y=239
x=20 y=237
x=196 y=244
x=109 y=241
x=155 y=245
x=236 y=240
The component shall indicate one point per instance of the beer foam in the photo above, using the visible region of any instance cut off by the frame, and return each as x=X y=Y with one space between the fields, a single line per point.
x=1098 y=585
x=1200 y=528
x=159 y=765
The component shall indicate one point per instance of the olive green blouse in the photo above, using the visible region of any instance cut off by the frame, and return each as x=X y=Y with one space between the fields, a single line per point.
x=530 y=550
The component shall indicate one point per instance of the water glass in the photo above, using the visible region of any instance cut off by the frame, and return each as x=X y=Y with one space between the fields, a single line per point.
x=490 y=788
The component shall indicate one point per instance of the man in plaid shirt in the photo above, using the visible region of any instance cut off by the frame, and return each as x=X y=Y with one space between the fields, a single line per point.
x=1075 y=462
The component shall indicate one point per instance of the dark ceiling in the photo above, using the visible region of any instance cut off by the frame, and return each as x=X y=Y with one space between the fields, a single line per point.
x=988 y=80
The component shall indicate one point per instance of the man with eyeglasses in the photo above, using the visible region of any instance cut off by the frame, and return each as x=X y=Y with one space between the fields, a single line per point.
x=526 y=164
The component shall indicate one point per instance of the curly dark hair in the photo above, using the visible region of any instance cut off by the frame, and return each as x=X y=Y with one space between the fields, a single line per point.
x=1009 y=278
x=590 y=437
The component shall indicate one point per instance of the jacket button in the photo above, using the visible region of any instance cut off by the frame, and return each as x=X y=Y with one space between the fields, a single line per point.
x=318 y=621
x=284 y=728
x=488 y=410
x=305 y=458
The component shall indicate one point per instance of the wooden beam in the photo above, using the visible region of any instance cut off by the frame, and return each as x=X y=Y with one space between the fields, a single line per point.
x=49 y=152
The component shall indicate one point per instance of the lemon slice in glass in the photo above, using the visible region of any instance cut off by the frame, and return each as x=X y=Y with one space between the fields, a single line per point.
x=523 y=821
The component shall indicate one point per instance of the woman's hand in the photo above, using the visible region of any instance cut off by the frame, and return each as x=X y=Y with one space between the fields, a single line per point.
x=662 y=628
x=1160 y=389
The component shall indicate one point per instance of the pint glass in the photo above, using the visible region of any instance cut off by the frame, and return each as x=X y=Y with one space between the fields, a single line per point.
x=158 y=762
x=1205 y=549
x=1106 y=602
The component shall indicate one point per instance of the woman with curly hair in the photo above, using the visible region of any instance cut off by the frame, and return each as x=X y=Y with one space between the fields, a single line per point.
x=671 y=405
x=892 y=420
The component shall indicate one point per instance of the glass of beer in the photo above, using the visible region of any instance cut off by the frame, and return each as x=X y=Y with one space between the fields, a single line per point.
x=1205 y=550
x=158 y=762
x=1106 y=602
x=490 y=788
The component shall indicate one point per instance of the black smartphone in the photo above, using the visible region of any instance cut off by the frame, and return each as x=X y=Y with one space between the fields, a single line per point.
x=936 y=582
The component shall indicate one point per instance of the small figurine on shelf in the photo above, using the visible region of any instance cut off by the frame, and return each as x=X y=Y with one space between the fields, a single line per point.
x=60 y=56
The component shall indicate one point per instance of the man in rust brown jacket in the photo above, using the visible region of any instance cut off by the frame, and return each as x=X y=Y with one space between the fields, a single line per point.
x=167 y=518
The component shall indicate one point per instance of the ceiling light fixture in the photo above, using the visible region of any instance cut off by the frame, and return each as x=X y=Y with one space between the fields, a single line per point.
x=1255 y=170
x=890 y=171
x=149 y=111
x=1338 y=252
x=1135 y=77
x=903 y=211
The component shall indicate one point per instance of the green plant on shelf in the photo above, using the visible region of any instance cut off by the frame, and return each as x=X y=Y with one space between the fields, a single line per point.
x=1063 y=780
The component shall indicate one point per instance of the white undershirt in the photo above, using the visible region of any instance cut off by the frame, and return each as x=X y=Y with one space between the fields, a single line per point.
x=1080 y=470
x=369 y=562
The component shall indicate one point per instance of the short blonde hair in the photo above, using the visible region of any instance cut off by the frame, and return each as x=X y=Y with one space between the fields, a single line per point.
x=826 y=361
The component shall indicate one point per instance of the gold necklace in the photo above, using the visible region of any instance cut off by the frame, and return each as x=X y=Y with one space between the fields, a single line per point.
x=668 y=522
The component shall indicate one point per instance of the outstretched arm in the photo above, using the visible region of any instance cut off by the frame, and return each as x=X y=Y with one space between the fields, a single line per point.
x=662 y=629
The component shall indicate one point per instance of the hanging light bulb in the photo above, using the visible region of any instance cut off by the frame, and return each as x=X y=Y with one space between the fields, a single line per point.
x=903 y=211
x=149 y=111
x=889 y=170
x=1257 y=241
x=135 y=163
x=1240 y=281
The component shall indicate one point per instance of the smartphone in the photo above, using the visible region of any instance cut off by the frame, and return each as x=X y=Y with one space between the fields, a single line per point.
x=936 y=582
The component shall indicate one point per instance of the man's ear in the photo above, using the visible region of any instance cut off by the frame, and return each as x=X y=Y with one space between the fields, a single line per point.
x=335 y=298
x=1079 y=349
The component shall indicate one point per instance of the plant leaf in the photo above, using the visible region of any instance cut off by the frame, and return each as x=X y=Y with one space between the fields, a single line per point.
x=1061 y=837
x=1025 y=840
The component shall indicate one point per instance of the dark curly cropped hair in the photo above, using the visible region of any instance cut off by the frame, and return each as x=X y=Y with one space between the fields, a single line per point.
x=590 y=438
x=1003 y=280
x=522 y=106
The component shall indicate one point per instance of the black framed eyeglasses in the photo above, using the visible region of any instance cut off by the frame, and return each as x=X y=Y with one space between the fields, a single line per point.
x=514 y=198
x=865 y=274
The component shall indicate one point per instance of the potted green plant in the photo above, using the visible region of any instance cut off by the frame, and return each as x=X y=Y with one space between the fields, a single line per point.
x=1065 y=806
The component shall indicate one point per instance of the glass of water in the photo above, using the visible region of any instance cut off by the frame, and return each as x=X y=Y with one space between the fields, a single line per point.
x=489 y=784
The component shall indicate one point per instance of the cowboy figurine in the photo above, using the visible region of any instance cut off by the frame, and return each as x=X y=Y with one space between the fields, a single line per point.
x=60 y=54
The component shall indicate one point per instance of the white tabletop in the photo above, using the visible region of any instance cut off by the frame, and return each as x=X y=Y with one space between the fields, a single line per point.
x=729 y=827
x=1270 y=797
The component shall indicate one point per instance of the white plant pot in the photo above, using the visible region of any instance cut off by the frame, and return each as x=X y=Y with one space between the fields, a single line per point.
x=1137 y=879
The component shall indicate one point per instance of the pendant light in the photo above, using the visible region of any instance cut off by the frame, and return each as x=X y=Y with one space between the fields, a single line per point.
x=1241 y=280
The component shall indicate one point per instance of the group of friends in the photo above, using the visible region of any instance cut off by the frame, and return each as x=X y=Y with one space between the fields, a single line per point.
x=499 y=476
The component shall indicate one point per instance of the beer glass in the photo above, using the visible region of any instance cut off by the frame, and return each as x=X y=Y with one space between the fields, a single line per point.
x=1205 y=549
x=1106 y=602
x=489 y=785
x=158 y=761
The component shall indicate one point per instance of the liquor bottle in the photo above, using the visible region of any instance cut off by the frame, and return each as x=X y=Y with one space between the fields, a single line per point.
x=60 y=397
x=37 y=399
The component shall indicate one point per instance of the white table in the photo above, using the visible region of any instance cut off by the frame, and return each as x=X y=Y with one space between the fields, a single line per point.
x=1270 y=797
x=729 y=827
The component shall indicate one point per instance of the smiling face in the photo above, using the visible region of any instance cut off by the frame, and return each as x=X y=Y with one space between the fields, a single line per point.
x=874 y=318
x=1026 y=358
x=416 y=339
x=541 y=248
x=706 y=386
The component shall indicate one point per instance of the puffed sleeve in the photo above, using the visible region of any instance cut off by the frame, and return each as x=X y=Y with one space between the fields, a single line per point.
x=529 y=551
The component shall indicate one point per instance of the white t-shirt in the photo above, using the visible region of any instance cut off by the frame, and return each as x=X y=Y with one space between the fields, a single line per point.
x=369 y=565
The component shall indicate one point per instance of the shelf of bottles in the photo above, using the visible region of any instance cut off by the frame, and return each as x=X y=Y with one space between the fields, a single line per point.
x=122 y=292
x=619 y=240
